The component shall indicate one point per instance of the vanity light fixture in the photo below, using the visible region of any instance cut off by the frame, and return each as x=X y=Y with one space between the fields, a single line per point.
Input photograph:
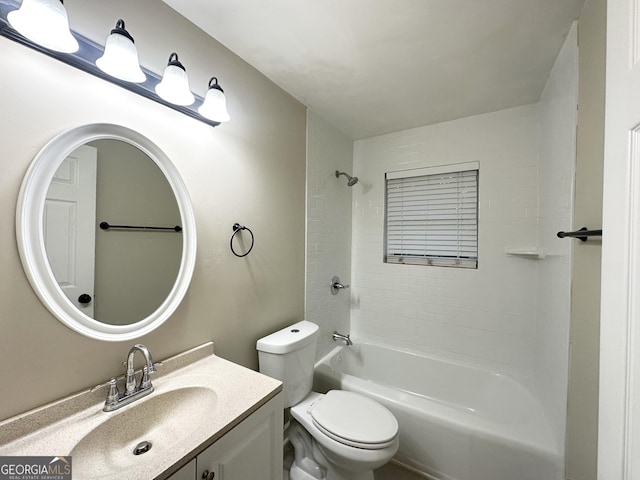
x=44 y=22
x=214 y=106
x=113 y=62
x=174 y=86
x=120 y=57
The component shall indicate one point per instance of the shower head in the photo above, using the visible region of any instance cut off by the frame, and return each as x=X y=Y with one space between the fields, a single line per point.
x=351 y=181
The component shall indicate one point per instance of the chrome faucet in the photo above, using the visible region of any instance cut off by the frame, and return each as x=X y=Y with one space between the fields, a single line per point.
x=345 y=338
x=132 y=392
x=146 y=370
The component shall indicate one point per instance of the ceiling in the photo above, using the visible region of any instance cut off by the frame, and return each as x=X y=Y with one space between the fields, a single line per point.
x=377 y=66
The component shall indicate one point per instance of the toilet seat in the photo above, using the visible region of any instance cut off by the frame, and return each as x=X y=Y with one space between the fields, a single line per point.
x=355 y=420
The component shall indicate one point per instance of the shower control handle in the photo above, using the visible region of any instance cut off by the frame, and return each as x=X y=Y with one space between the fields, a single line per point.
x=336 y=286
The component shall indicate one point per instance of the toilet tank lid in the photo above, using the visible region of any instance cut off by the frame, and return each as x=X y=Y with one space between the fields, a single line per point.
x=289 y=339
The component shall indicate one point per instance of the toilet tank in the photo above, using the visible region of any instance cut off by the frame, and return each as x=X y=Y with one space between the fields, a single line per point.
x=289 y=356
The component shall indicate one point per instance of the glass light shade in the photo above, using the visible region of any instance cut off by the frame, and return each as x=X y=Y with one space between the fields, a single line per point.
x=44 y=22
x=214 y=106
x=174 y=87
x=120 y=57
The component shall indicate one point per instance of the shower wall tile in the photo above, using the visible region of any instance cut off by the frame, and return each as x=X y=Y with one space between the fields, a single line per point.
x=328 y=228
x=512 y=314
x=557 y=110
x=485 y=316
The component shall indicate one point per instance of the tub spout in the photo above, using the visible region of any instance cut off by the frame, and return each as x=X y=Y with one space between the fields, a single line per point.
x=345 y=338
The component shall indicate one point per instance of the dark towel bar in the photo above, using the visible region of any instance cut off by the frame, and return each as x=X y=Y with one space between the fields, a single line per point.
x=106 y=226
x=581 y=234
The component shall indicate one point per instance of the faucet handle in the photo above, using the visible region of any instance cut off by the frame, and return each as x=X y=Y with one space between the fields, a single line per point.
x=336 y=286
x=113 y=394
x=145 y=381
x=109 y=383
x=154 y=367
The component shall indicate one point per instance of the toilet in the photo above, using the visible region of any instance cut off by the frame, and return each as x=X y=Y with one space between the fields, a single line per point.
x=339 y=435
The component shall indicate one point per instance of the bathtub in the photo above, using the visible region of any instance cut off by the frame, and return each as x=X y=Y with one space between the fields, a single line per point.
x=457 y=422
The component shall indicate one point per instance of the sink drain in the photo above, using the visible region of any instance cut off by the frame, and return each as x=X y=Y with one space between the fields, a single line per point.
x=142 y=447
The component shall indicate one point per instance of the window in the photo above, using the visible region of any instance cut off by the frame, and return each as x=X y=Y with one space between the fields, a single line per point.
x=432 y=216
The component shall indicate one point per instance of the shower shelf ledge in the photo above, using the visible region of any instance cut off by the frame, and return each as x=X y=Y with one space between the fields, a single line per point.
x=525 y=252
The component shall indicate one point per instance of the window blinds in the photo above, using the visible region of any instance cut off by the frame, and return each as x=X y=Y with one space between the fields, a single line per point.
x=432 y=218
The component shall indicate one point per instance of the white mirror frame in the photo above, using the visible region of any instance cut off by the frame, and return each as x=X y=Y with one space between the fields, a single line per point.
x=30 y=232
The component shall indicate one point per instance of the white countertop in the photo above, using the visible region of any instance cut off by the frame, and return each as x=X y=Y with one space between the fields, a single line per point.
x=55 y=429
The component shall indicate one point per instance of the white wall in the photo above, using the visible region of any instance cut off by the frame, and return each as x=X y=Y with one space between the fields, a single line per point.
x=557 y=116
x=328 y=228
x=485 y=316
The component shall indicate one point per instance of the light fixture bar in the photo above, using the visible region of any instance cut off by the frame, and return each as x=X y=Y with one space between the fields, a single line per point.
x=84 y=59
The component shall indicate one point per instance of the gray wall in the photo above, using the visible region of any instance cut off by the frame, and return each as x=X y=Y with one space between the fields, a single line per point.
x=134 y=269
x=582 y=420
x=250 y=170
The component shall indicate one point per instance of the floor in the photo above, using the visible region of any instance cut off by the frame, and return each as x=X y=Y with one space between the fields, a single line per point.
x=389 y=472
x=392 y=471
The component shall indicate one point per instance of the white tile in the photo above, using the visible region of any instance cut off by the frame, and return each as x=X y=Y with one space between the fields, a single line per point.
x=511 y=314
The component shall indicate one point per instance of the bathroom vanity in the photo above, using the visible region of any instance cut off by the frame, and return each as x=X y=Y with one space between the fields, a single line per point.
x=245 y=452
x=207 y=418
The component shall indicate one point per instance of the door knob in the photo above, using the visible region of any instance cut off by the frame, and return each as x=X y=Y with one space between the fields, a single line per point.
x=84 y=298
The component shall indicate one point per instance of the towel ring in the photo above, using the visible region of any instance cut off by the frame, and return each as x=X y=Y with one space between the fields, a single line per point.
x=237 y=228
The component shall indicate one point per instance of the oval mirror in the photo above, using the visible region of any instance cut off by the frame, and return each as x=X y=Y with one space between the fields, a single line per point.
x=106 y=232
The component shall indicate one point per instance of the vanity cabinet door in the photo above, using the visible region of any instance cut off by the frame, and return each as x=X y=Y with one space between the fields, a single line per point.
x=252 y=450
x=188 y=472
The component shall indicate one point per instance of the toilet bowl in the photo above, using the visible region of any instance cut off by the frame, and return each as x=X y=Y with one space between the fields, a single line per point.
x=351 y=434
x=339 y=435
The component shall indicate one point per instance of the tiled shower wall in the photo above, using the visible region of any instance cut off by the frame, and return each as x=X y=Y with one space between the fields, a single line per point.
x=557 y=110
x=328 y=228
x=484 y=316
x=510 y=315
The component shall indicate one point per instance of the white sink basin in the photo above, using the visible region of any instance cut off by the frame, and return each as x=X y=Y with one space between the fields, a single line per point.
x=163 y=420
x=198 y=397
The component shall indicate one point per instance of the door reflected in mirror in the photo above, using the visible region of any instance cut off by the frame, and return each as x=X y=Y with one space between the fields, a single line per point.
x=117 y=276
